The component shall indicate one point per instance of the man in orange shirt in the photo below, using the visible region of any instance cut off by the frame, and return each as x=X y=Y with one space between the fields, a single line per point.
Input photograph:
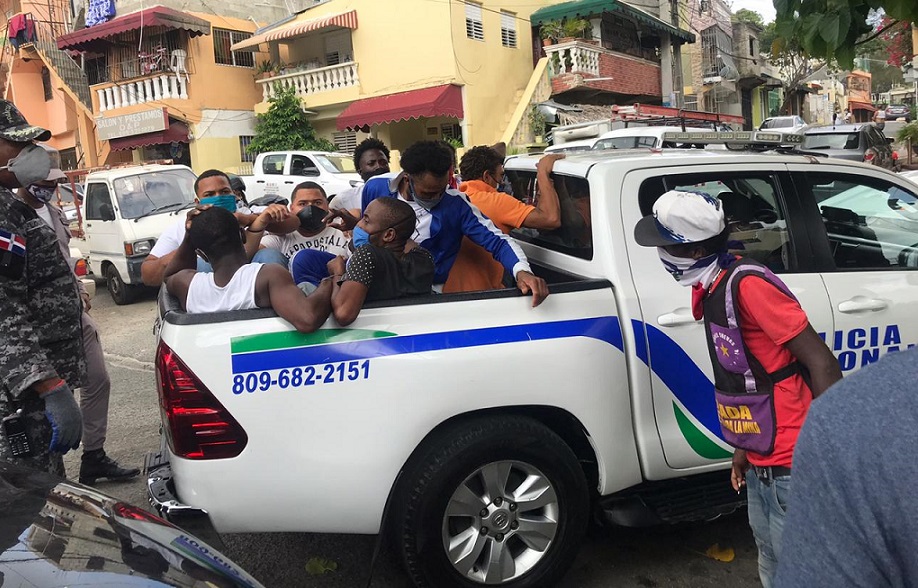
x=482 y=171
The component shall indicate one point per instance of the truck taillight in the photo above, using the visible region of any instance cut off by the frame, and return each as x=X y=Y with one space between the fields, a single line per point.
x=869 y=155
x=79 y=268
x=197 y=426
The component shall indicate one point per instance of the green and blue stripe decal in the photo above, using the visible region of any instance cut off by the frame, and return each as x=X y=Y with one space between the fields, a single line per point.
x=288 y=350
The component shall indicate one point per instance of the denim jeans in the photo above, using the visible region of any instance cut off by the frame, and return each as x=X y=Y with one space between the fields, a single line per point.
x=767 y=511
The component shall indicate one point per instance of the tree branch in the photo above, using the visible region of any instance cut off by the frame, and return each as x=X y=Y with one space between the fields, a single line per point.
x=877 y=33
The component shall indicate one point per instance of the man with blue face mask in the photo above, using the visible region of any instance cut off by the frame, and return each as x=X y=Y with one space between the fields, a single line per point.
x=768 y=361
x=445 y=216
x=41 y=350
x=94 y=396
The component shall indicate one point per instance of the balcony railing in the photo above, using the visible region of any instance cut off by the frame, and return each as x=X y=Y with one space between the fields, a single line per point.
x=155 y=88
x=311 y=81
x=573 y=57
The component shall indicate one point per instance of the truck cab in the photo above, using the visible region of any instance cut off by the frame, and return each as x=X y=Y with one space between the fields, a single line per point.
x=277 y=173
x=124 y=211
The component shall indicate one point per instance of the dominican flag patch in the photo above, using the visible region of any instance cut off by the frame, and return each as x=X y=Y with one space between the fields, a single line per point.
x=12 y=254
x=12 y=242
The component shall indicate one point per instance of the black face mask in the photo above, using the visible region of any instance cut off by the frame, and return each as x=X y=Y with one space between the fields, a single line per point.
x=311 y=218
x=376 y=172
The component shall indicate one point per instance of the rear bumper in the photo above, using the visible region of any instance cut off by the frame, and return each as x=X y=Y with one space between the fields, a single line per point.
x=161 y=493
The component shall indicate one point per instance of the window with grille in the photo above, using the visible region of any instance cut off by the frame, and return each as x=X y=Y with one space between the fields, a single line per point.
x=451 y=131
x=46 y=84
x=345 y=142
x=223 y=40
x=474 y=28
x=507 y=29
x=244 y=142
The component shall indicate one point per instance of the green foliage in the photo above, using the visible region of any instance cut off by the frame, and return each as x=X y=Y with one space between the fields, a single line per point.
x=749 y=16
x=285 y=127
x=552 y=29
x=536 y=121
x=454 y=142
x=832 y=29
x=909 y=131
x=575 y=27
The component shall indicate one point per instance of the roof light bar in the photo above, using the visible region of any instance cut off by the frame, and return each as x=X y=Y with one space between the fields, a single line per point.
x=735 y=137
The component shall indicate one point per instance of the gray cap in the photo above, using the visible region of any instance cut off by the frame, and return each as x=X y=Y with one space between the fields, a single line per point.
x=14 y=127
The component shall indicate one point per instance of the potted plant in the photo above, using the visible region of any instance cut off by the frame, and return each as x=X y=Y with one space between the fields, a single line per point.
x=550 y=32
x=909 y=134
x=574 y=28
x=536 y=123
x=266 y=69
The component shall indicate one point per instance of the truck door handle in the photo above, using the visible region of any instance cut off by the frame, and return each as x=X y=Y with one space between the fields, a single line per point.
x=259 y=181
x=861 y=304
x=288 y=181
x=680 y=316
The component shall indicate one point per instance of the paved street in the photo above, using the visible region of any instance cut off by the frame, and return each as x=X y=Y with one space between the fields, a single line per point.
x=640 y=558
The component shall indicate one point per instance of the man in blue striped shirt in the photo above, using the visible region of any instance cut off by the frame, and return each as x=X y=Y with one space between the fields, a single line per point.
x=445 y=216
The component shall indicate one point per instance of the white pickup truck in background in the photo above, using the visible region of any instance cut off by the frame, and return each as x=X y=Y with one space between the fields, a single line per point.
x=482 y=432
x=276 y=173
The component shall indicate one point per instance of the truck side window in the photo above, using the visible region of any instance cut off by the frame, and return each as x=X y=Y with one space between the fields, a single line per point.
x=98 y=203
x=752 y=207
x=274 y=164
x=575 y=235
x=301 y=165
x=870 y=223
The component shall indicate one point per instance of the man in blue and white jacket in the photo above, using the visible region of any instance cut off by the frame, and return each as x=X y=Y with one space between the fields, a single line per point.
x=445 y=216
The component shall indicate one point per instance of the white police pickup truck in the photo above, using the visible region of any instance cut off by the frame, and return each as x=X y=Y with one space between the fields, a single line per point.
x=482 y=432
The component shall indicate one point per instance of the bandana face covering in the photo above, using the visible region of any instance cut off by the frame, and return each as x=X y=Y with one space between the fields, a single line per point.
x=688 y=272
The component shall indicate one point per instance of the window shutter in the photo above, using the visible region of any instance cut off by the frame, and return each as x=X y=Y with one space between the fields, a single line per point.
x=474 y=29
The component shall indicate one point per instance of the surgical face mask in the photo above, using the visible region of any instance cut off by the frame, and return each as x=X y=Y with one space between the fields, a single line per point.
x=689 y=272
x=33 y=164
x=311 y=218
x=359 y=237
x=227 y=201
x=423 y=202
x=41 y=193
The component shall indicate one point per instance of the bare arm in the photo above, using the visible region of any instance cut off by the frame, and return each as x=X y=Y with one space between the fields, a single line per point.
x=812 y=352
x=347 y=300
x=153 y=269
x=547 y=214
x=275 y=288
x=181 y=270
x=276 y=213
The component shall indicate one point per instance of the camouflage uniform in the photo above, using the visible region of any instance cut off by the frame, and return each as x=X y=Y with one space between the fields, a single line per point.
x=40 y=330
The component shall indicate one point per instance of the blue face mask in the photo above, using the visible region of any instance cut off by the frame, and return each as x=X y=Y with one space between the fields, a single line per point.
x=227 y=201
x=359 y=237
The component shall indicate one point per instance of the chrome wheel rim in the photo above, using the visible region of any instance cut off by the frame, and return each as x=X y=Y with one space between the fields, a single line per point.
x=500 y=522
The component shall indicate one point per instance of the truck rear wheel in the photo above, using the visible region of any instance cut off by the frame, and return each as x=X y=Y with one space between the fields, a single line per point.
x=121 y=293
x=500 y=501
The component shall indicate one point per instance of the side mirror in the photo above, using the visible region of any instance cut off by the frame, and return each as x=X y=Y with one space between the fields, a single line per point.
x=108 y=214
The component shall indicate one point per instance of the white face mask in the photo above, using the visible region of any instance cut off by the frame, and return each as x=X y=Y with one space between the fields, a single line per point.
x=689 y=272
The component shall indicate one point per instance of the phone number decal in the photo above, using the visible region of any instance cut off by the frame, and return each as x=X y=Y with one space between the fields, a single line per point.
x=330 y=373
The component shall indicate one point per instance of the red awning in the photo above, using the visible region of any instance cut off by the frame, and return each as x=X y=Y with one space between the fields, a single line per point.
x=345 y=20
x=91 y=38
x=429 y=102
x=855 y=105
x=176 y=133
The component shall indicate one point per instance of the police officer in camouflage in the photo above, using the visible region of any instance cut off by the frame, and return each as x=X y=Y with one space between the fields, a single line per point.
x=41 y=348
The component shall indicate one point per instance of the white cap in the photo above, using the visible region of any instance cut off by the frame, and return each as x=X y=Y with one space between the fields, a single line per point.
x=681 y=217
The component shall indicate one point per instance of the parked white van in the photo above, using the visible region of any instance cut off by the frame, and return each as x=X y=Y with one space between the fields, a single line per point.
x=124 y=211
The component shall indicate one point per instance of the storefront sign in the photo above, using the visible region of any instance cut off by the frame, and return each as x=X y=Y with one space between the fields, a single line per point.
x=126 y=125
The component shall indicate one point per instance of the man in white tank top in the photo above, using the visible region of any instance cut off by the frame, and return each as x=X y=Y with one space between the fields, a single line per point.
x=214 y=234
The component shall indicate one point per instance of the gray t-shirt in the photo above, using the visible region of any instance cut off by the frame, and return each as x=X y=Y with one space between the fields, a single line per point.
x=853 y=516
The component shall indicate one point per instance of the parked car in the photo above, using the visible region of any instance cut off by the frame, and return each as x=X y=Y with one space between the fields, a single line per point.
x=896 y=111
x=785 y=124
x=910 y=175
x=491 y=469
x=854 y=142
x=55 y=533
x=278 y=172
x=125 y=211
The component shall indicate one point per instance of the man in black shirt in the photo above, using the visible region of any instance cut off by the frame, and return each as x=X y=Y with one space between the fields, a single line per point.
x=384 y=265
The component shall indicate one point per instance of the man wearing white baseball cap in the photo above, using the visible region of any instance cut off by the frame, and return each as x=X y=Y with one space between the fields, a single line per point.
x=768 y=361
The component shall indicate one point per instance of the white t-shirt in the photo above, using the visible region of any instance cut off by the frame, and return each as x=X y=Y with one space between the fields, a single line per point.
x=204 y=295
x=331 y=240
x=348 y=199
x=45 y=213
x=170 y=240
